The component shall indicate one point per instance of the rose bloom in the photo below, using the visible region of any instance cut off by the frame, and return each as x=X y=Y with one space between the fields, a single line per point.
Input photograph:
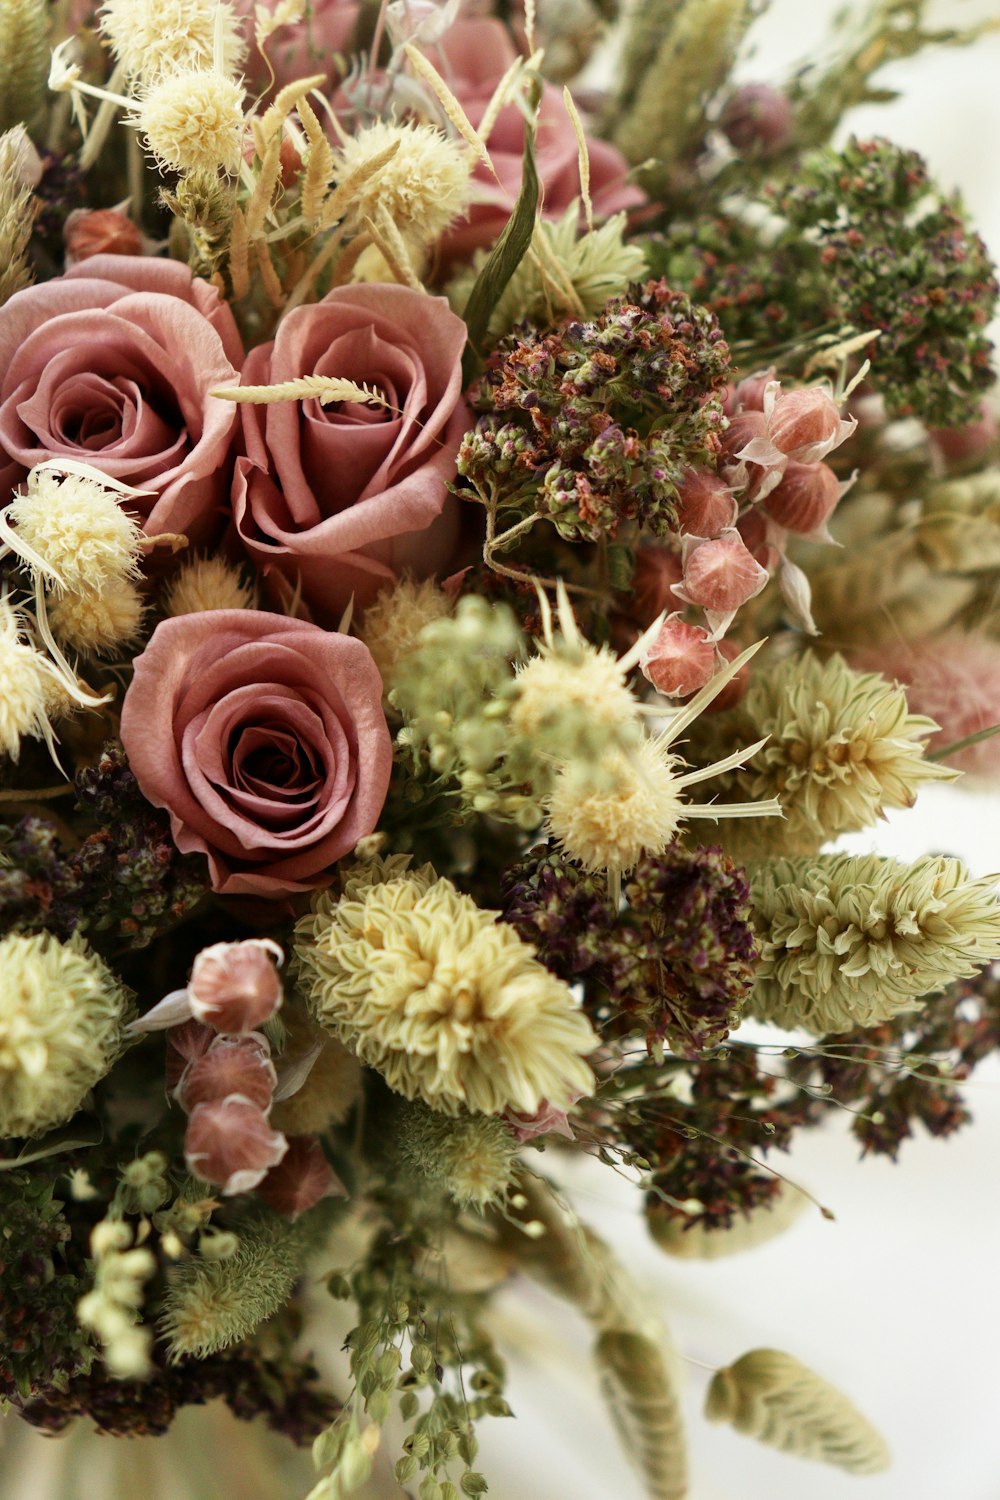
x=264 y=739
x=110 y=365
x=474 y=55
x=341 y=499
x=302 y=49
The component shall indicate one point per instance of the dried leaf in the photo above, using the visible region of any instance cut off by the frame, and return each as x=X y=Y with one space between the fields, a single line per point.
x=775 y=1398
x=507 y=254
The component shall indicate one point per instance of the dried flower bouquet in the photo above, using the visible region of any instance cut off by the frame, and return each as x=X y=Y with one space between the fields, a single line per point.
x=470 y=543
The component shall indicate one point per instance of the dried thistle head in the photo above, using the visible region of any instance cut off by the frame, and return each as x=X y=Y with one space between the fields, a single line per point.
x=208 y=583
x=155 y=37
x=192 y=120
x=420 y=189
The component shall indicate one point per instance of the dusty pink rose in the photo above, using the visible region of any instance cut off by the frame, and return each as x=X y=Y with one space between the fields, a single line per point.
x=345 y=497
x=264 y=739
x=302 y=49
x=301 y=1179
x=474 y=55
x=229 y=1142
x=111 y=364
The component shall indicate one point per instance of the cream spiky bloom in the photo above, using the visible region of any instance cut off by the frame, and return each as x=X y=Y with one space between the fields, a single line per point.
x=851 y=940
x=68 y=526
x=568 y=272
x=392 y=626
x=441 y=997
x=98 y=621
x=30 y=685
x=193 y=121
x=842 y=746
x=208 y=583
x=469 y=1157
x=607 y=817
x=153 y=37
x=62 y=1013
x=421 y=188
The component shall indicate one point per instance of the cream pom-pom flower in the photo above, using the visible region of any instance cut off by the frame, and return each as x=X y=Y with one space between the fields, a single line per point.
x=192 y=120
x=61 y=1026
x=441 y=997
x=421 y=188
x=153 y=37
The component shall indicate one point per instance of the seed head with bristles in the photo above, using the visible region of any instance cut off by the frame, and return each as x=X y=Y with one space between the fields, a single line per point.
x=154 y=37
x=421 y=189
x=193 y=121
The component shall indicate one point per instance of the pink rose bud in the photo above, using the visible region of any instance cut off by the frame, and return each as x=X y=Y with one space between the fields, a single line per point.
x=301 y=1179
x=100 y=231
x=232 y=1065
x=235 y=986
x=681 y=659
x=657 y=569
x=184 y=1044
x=230 y=1144
x=806 y=424
x=705 y=504
x=736 y=686
x=805 y=499
x=757 y=118
x=963 y=445
x=721 y=574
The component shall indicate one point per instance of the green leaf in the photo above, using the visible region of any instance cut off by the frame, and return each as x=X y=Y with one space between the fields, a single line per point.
x=508 y=252
x=54 y=1144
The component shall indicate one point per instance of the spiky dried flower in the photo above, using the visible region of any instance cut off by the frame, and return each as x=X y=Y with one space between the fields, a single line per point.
x=852 y=940
x=193 y=121
x=421 y=188
x=70 y=526
x=468 y=1157
x=29 y=681
x=99 y=620
x=565 y=272
x=62 y=1013
x=842 y=746
x=392 y=625
x=208 y=583
x=154 y=37
x=441 y=997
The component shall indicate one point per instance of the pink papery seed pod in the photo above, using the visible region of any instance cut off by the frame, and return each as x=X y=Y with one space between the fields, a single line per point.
x=232 y=1065
x=750 y=462
x=235 y=986
x=736 y=687
x=230 y=1144
x=100 y=231
x=805 y=499
x=966 y=445
x=750 y=392
x=705 y=504
x=680 y=660
x=301 y=1179
x=657 y=569
x=547 y=1120
x=720 y=575
x=757 y=118
x=806 y=424
x=185 y=1044
x=758 y=534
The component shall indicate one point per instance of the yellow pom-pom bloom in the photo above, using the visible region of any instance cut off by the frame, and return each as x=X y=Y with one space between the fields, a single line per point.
x=193 y=121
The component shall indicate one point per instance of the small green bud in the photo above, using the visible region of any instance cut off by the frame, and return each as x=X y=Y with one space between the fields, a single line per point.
x=406 y=1469
x=472 y=1483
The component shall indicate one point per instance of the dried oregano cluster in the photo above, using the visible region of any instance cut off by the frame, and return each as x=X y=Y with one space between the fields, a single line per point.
x=415 y=486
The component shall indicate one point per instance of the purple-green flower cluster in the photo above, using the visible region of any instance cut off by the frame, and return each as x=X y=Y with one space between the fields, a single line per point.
x=126 y=878
x=594 y=423
x=675 y=966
